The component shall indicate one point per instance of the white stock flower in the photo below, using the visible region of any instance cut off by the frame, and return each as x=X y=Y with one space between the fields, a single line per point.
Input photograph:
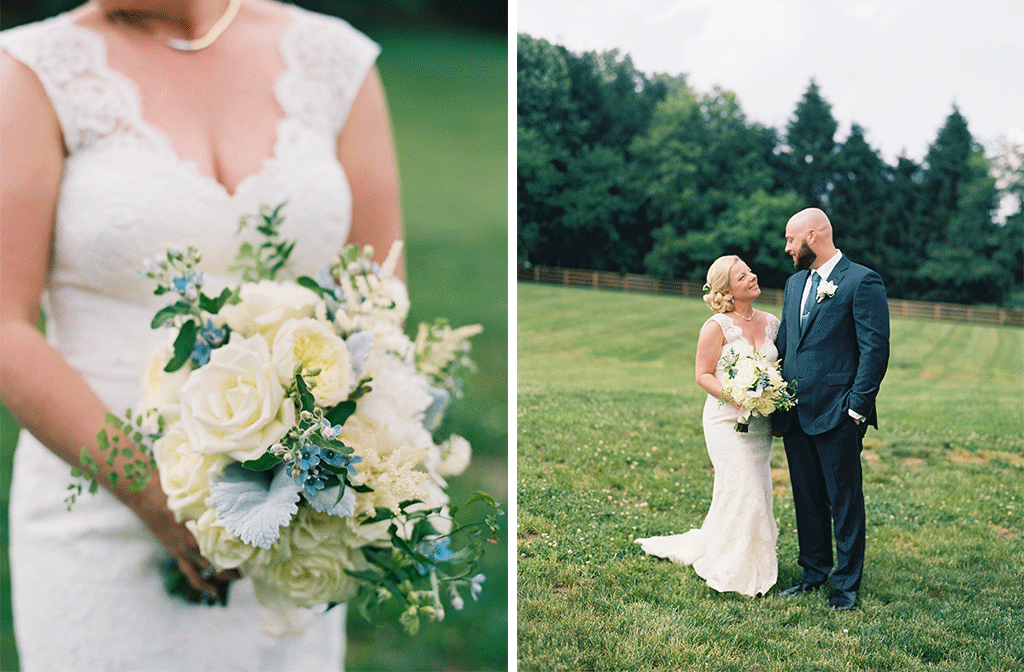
x=235 y=404
x=315 y=346
x=266 y=305
x=390 y=468
x=184 y=473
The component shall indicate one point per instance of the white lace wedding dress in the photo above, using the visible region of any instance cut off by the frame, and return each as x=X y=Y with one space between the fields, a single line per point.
x=87 y=585
x=734 y=549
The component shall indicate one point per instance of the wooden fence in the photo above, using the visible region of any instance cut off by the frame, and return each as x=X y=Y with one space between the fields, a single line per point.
x=628 y=282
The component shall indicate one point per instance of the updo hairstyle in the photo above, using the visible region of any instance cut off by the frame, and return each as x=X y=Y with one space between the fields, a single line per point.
x=717 y=287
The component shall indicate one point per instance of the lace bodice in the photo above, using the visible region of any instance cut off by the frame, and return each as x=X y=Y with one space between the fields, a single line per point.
x=735 y=340
x=125 y=195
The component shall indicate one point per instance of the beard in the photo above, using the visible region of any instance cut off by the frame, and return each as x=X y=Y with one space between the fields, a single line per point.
x=805 y=256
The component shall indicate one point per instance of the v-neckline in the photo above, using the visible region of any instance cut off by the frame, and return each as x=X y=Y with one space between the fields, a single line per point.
x=160 y=136
x=738 y=328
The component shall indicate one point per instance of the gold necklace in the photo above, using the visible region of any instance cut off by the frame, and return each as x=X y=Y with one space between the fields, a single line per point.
x=190 y=45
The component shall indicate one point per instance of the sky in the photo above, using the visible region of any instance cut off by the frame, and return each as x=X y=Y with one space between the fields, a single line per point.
x=895 y=67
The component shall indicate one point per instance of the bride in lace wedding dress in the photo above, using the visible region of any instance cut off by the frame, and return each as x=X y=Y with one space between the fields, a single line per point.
x=117 y=141
x=734 y=548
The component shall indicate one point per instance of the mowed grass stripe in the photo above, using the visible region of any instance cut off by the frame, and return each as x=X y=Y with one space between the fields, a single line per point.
x=611 y=448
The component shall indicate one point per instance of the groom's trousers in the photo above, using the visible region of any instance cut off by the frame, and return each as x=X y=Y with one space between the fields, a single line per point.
x=828 y=496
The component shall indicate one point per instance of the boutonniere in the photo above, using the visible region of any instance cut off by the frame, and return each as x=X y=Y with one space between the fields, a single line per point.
x=826 y=290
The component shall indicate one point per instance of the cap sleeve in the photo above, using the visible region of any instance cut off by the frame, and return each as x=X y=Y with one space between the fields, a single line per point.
x=326 y=62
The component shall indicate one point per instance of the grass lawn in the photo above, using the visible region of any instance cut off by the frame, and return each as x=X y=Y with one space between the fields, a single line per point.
x=448 y=98
x=610 y=448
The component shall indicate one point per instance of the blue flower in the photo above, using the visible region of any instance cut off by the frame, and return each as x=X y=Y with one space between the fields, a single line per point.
x=180 y=284
x=329 y=433
x=436 y=550
x=336 y=459
x=213 y=334
x=201 y=352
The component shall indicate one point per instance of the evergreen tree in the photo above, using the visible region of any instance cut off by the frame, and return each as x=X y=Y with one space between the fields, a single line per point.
x=810 y=145
x=962 y=242
x=857 y=200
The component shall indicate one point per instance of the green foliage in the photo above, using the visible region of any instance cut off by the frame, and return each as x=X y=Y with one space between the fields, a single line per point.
x=619 y=171
x=610 y=448
x=263 y=261
x=134 y=461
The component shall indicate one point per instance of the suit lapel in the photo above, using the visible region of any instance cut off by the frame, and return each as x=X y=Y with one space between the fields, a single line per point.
x=837 y=275
x=793 y=320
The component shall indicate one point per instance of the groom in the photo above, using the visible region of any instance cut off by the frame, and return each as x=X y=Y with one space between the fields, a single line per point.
x=834 y=343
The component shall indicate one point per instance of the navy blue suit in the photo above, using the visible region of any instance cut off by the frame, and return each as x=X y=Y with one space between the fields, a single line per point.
x=838 y=360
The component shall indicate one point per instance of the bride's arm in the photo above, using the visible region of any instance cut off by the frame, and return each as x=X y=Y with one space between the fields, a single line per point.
x=709 y=350
x=41 y=390
x=366 y=150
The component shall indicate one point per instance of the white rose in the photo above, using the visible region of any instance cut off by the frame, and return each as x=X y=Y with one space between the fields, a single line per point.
x=223 y=549
x=235 y=404
x=321 y=550
x=266 y=305
x=316 y=346
x=184 y=473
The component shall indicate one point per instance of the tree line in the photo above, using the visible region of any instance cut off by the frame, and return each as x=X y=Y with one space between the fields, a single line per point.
x=623 y=171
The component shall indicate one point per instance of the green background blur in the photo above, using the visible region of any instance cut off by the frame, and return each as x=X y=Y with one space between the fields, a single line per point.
x=444 y=67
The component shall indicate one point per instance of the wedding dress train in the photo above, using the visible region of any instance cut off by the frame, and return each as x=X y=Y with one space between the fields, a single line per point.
x=734 y=548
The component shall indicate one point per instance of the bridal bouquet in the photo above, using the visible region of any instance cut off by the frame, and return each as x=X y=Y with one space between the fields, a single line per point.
x=754 y=383
x=292 y=425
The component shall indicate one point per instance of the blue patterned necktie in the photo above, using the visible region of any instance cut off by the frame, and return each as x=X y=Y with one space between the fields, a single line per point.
x=812 y=296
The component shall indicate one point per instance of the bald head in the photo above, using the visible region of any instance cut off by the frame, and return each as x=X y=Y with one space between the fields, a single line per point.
x=809 y=238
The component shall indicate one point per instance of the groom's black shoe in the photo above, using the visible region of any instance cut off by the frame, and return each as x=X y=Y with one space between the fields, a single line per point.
x=843 y=600
x=800 y=588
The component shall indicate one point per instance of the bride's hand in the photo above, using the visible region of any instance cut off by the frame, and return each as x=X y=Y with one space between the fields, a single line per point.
x=206 y=583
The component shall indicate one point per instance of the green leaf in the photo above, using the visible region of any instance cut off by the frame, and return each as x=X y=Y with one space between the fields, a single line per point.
x=214 y=305
x=306 y=399
x=311 y=284
x=113 y=478
x=94 y=487
x=183 y=346
x=168 y=313
x=127 y=452
x=262 y=463
x=340 y=413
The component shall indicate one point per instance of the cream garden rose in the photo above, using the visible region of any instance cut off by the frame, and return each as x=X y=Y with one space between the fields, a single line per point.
x=235 y=404
x=223 y=549
x=184 y=473
x=315 y=345
x=266 y=305
x=314 y=572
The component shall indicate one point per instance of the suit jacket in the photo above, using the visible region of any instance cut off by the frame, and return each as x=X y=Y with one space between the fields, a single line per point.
x=839 y=357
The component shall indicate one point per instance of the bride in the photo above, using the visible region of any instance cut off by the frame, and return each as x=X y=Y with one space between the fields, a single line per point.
x=734 y=549
x=128 y=125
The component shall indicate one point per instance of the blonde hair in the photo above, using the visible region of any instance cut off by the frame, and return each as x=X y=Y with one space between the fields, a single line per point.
x=718 y=284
